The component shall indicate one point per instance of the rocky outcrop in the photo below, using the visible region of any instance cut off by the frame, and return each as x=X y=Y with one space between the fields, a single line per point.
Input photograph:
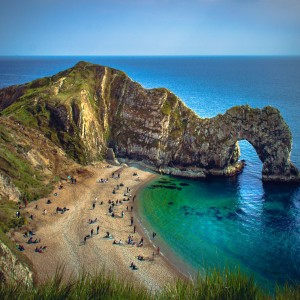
x=12 y=270
x=90 y=108
x=8 y=189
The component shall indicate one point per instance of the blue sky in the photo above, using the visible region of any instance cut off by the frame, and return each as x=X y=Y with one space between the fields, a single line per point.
x=150 y=27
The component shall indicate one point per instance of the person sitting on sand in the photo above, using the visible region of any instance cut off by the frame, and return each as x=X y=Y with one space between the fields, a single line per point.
x=133 y=266
x=107 y=234
x=21 y=247
x=140 y=257
x=39 y=249
x=49 y=201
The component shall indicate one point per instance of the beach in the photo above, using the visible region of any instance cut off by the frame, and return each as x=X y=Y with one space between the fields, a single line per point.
x=86 y=204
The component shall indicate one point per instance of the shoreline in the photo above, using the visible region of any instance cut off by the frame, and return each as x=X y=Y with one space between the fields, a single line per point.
x=180 y=273
x=63 y=233
x=181 y=267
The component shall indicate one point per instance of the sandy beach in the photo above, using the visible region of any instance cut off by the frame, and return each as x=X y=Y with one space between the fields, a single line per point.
x=63 y=233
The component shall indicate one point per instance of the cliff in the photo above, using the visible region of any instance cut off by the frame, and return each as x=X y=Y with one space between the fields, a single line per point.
x=13 y=265
x=88 y=109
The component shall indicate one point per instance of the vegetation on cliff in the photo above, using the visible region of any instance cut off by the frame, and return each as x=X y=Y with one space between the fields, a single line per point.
x=88 y=108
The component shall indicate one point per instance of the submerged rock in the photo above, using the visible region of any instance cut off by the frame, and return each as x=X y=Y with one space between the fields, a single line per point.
x=89 y=109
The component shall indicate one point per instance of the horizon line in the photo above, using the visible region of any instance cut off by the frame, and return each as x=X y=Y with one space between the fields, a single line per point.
x=155 y=55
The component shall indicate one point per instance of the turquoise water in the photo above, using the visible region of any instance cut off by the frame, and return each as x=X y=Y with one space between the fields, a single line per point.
x=218 y=223
x=222 y=221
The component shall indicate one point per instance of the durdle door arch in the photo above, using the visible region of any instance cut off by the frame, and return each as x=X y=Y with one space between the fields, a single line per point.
x=266 y=131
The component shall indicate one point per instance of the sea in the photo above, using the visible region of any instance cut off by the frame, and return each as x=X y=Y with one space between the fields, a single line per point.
x=237 y=223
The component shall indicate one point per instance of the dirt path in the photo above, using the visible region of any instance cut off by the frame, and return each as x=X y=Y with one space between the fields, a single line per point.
x=63 y=234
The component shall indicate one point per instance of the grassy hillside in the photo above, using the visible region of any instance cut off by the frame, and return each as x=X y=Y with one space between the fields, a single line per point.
x=30 y=166
x=216 y=285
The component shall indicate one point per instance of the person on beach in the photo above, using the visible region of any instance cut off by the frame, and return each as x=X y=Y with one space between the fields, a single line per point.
x=84 y=240
x=122 y=214
x=94 y=205
x=134 y=229
x=157 y=250
x=153 y=234
x=131 y=221
x=131 y=208
x=92 y=231
x=98 y=229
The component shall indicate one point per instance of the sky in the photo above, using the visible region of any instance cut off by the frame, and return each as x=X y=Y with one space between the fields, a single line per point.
x=150 y=27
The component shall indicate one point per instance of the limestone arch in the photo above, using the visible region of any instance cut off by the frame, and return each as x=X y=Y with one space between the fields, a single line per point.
x=266 y=131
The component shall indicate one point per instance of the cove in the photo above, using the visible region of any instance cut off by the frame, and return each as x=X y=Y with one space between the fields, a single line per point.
x=228 y=222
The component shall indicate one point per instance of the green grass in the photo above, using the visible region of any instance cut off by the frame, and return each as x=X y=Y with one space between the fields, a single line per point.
x=216 y=285
x=8 y=217
x=23 y=175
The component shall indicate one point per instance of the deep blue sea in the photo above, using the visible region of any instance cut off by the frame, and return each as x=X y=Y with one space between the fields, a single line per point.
x=219 y=222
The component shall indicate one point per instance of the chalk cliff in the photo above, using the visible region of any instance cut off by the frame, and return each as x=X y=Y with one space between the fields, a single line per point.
x=88 y=109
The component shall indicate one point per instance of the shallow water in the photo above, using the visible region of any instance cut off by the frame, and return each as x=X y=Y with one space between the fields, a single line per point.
x=221 y=222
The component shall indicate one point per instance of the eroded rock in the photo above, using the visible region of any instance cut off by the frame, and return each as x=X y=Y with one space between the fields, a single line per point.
x=96 y=108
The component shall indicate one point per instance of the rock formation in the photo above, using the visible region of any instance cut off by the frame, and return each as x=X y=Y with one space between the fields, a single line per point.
x=90 y=108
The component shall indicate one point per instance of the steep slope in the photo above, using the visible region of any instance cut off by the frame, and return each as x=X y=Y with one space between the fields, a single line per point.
x=90 y=108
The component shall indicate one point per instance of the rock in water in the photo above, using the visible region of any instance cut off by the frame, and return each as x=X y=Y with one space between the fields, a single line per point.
x=89 y=108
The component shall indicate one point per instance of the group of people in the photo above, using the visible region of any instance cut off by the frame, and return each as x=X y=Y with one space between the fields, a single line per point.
x=31 y=241
x=72 y=179
x=20 y=247
x=117 y=243
x=103 y=180
x=91 y=221
x=40 y=249
x=61 y=210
